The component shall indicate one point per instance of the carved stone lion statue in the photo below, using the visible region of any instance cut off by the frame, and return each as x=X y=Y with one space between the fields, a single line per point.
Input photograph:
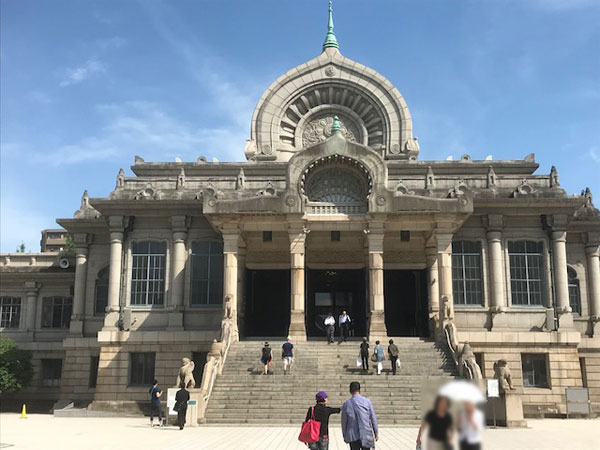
x=185 y=377
x=467 y=358
x=502 y=374
x=228 y=308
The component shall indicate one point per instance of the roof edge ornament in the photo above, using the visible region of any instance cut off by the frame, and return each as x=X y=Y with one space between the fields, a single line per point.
x=330 y=39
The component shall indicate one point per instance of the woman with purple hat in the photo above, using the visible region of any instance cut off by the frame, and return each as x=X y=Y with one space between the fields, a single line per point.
x=321 y=412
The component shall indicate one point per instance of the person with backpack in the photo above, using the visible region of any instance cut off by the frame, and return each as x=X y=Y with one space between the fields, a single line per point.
x=181 y=402
x=267 y=358
x=320 y=413
x=393 y=353
x=155 y=393
x=359 y=422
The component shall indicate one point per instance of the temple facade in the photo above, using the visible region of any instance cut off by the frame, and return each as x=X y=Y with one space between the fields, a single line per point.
x=335 y=209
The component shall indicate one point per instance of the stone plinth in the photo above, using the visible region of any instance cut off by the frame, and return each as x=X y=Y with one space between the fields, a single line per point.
x=509 y=410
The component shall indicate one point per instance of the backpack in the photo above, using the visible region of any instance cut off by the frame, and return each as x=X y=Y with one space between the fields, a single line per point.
x=266 y=352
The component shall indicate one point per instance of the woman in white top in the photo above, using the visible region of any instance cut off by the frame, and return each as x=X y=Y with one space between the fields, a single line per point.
x=470 y=426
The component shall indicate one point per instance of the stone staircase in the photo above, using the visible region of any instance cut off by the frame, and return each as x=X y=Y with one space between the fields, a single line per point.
x=242 y=395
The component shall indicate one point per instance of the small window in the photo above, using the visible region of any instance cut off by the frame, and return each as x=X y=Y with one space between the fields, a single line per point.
x=535 y=370
x=148 y=273
x=141 y=368
x=574 y=295
x=101 y=293
x=207 y=273
x=404 y=236
x=51 y=372
x=267 y=236
x=335 y=236
x=94 y=363
x=467 y=273
x=10 y=312
x=526 y=272
x=56 y=312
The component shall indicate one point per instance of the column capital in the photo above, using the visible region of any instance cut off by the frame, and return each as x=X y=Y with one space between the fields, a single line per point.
x=32 y=287
x=592 y=250
x=117 y=223
x=81 y=240
x=558 y=222
x=444 y=242
x=591 y=239
x=230 y=240
x=180 y=223
x=81 y=252
x=493 y=222
x=559 y=236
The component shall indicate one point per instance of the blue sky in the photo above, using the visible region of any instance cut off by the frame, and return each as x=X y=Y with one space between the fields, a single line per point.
x=86 y=85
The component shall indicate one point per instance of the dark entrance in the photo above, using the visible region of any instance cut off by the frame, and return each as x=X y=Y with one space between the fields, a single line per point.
x=405 y=294
x=267 y=303
x=334 y=291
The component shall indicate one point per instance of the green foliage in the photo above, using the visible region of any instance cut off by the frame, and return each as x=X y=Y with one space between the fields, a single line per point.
x=15 y=366
x=70 y=244
x=21 y=248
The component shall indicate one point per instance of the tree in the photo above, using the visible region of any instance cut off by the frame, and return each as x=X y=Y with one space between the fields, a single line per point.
x=15 y=366
x=69 y=244
x=21 y=248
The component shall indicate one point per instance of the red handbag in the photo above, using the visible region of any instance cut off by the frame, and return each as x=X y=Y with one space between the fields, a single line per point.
x=310 y=429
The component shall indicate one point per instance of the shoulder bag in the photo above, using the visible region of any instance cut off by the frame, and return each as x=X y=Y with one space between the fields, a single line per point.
x=310 y=430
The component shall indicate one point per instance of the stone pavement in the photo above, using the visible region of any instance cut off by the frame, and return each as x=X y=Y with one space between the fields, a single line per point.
x=132 y=433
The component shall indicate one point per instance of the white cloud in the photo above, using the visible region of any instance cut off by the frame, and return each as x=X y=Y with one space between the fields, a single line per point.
x=147 y=129
x=594 y=154
x=81 y=73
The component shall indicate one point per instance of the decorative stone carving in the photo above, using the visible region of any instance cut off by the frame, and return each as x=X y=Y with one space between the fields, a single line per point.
x=290 y=200
x=412 y=145
x=395 y=149
x=148 y=193
x=467 y=360
x=181 y=179
x=185 y=377
x=268 y=191
x=319 y=129
x=120 y=179
x=554 y=177
x=250 y=148
x=459 y=190
x=466 y=158
x=138 y=159
x=380 y=200
x=266 y=149
x=201 y=160
x=503 y=375
x=524 y=189
x=86 y=210
x=330 y=71
x=492 y=180
x=401 y=189
x=241 y=180
x=429 y=179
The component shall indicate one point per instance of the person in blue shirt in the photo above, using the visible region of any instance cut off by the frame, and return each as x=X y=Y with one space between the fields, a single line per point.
x=379 y=356
x=359 y=423
x=155 y=405
x=287 y=354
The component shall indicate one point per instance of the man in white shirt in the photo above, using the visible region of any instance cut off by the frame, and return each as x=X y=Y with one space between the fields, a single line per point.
x=330 y=327
x=344 y=322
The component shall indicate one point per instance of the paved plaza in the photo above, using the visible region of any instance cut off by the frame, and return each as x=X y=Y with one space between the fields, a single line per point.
x=47 y=432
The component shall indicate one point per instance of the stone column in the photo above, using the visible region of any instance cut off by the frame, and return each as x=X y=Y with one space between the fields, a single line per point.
x=116 y=227
x=377 y=328
x=498 y=304
x=178 y=261
x=31 y=300
x=230 y=277
x=561 y=279
x=297 y=252
x=241 y=295
x=433 y=287
x=592 y=251
x=77 y=317
x=444 y=248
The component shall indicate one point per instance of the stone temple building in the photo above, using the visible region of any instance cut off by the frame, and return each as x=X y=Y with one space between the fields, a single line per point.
x=336 y=208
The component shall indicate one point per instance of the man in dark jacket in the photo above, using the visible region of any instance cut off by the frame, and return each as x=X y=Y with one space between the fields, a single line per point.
x=181 y=402
x=393 y=354
x=321 y=414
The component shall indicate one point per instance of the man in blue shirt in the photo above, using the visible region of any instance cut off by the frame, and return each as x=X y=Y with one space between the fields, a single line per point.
x=359 y=423
x=287 y=354
x=155 y=393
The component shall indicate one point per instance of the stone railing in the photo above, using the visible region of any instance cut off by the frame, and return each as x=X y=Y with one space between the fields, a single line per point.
x=463 y=356
x=324 y=208
x=215 y=360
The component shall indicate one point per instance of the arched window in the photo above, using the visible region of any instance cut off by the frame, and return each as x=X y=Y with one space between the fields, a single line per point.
x=574 y=295
x=101 y=292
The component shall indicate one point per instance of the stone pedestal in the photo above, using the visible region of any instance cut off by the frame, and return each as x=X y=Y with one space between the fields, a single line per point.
x=509 y=410
x=196 y=408
x=297 y=329
x=377 y=328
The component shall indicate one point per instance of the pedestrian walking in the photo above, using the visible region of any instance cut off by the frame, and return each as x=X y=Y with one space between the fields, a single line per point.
x=344 y=323
x=470 y=424
x=287 y=354
x=359 y=423
x=393 y=353
x=378 y=356
x=321 y=412
x=155 y=406
x=181 y=403
x=267 y=358
x=439 y=426
x=329 y=327
x=364 y=354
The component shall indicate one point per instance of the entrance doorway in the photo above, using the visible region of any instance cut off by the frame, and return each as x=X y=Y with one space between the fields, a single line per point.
x=405 y=293
x=334 y=291
x=267 y=303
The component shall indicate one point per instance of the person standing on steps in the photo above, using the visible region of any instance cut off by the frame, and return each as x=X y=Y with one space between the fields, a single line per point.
x=364 y=354
x=344 y=322
x=393 y=353
x=359 y=423
x=267 y=358
x=330 y=327
x=181 y=403
x=155 y=393
x=379 y=356
x=321 y=412
x=287 y=354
